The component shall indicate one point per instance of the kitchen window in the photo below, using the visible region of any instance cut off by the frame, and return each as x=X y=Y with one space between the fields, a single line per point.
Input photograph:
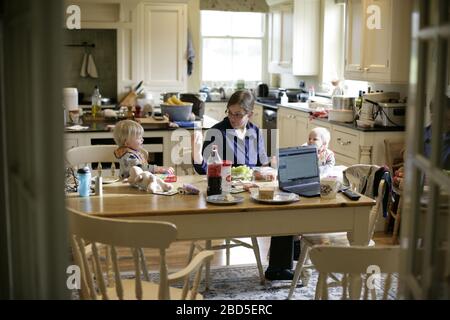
x=232 y=45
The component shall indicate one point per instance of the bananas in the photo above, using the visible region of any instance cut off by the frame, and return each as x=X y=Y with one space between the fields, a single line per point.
x=173 y=100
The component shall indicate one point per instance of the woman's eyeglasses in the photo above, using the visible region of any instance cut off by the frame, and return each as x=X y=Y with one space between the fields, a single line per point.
x=238 y=115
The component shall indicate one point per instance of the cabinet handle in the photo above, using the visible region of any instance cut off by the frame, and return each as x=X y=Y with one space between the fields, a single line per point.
x=343 y=143
x=366 y=69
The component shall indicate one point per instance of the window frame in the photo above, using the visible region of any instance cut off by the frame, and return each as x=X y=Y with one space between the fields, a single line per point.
x=264 y=43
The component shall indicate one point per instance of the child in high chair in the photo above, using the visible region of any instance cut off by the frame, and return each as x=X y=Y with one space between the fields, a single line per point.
x=128 y=135
x=320 y=137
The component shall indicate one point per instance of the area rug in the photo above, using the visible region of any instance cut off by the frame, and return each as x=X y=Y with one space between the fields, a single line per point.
x=241 y=282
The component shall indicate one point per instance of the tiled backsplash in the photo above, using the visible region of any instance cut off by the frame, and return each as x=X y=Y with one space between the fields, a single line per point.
x=105 y=57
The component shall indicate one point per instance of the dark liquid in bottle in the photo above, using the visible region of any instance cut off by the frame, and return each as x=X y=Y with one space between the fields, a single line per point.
x=214 y=186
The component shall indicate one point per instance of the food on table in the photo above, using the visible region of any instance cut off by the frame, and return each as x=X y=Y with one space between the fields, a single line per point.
x=229 y=198
x=265 y=174
x=266 y=193
x=242 y=173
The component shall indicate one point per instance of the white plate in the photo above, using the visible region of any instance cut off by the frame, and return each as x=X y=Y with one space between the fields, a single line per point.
x=278 y=198
x=221 y=200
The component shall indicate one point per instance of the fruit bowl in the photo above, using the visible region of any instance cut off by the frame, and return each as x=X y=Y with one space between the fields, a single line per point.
x=177 y=112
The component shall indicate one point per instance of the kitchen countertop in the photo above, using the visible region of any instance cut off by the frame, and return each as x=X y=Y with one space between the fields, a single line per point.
x=303 y=107
x=107 y=126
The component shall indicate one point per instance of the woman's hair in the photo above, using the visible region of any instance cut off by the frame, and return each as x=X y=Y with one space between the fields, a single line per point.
x=244 y=98
x=323 y=134
x=126 y=129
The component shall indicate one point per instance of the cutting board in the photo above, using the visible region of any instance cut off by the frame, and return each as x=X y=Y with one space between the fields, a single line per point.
x=150 y=122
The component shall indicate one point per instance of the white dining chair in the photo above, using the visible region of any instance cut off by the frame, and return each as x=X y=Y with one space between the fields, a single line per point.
x=136 y=235
x=307 y=241
x=89 y=155
x=361 y=267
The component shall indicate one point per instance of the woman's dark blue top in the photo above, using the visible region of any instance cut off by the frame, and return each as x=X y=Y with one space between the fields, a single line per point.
x=250 y=151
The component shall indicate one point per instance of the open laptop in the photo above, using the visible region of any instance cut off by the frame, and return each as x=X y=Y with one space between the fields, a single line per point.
x=298 y=171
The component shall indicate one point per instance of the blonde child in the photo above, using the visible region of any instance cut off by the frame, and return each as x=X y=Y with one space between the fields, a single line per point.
x=128 y=135
x=320 y=137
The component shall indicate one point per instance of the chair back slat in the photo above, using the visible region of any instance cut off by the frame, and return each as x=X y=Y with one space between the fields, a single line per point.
x=164 y=293
x=80 y=247
x=137 y=274
x=196 y=283
x=143 y=264
x=98 y=272
x=118 y=281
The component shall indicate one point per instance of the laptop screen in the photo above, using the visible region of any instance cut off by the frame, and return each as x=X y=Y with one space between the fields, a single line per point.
x=298 y=164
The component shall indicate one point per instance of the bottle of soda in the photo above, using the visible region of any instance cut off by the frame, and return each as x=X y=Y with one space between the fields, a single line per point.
x=214 y=172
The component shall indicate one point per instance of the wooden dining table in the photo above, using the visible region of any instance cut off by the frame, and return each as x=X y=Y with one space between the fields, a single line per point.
x=196 y=219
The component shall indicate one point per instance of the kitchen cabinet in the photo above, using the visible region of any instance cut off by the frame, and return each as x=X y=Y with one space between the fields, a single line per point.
x=350 y=146
x=280 y=18
x=292 y=127
x=306 y=36
x=215 y=110
x=257 y=117
x=162 y=34
x=378 y=34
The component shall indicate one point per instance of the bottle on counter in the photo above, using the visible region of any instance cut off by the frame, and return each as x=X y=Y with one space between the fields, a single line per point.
x=358 y=105
x=96 y=102
x=284 y=98
x=311 y=91
x=214 y=172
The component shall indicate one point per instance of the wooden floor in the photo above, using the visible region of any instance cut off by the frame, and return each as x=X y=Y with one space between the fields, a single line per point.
x=177 y=254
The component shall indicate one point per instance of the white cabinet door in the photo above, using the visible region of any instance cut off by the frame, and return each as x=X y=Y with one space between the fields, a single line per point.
x=163 y=39
x=306 y=28
x=378 y=34
x=355 y=18
x=377 y=46
x=280 y=39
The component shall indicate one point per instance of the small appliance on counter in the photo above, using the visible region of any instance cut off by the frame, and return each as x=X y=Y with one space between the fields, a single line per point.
x=383 y=109
x=391 y=115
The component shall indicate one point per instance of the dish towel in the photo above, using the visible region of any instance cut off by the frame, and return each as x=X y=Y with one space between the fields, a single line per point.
x=91 y=68
x=84 y=66
x=190 y=55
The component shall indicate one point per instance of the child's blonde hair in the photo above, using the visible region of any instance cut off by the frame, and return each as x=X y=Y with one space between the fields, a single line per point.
x=323 y=134
x=126 y=129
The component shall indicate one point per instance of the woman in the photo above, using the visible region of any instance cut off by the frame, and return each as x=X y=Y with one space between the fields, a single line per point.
x=241 y=142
